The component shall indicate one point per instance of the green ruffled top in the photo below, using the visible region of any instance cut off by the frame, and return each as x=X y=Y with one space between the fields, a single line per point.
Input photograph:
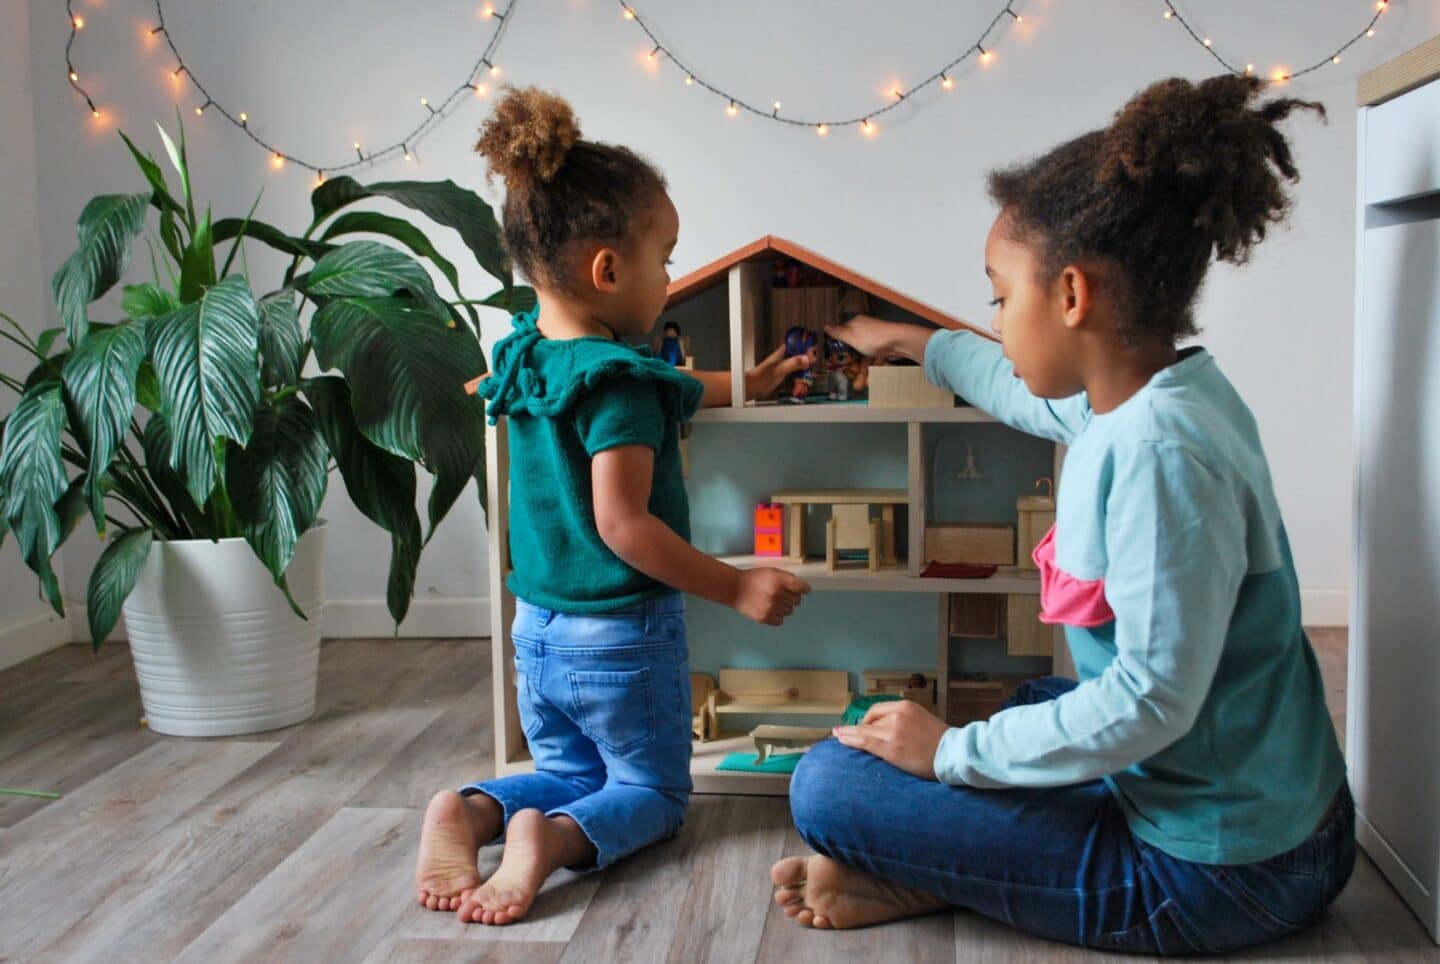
x=568 y=400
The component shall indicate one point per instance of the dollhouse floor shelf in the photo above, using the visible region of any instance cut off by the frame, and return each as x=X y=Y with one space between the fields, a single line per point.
x=838 y=412
x=893 y=578
x=703 y=761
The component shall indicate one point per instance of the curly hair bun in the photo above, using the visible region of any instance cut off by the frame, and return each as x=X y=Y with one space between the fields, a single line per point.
x=1206 y=143
x=527 y=138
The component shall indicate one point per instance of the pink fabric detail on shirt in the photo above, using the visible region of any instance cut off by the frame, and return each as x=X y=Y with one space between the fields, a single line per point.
x=1064 y=599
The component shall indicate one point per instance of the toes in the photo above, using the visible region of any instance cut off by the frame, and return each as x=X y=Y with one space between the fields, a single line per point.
x=804 y=916
x=821 y=923
x=789 y=872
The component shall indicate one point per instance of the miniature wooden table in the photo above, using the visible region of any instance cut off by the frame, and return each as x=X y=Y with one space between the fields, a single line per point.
x=795 y=501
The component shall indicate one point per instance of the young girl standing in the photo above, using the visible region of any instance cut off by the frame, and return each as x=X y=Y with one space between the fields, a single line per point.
x=599 y=525
x=1188 y=795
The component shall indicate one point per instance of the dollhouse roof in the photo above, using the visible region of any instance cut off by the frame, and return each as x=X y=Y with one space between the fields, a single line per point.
x=766 y=248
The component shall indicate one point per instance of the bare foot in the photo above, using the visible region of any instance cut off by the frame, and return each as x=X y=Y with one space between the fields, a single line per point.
x=454 y=828
x=535 y=847
x=818 y=892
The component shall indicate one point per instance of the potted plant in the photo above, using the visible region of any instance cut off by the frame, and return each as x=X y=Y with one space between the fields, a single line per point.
x=190 y=433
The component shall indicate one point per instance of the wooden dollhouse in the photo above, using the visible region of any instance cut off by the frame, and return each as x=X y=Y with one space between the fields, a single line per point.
x=966 y=566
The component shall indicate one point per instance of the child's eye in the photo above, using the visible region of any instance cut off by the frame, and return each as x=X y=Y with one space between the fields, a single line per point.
x=997 y=302
x=668 y=262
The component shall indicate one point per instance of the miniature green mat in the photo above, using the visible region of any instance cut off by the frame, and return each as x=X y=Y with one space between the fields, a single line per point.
x=859 y=705
x=744 y=762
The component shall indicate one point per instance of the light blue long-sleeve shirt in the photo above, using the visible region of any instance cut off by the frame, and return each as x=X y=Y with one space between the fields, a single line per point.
x=1200 y=703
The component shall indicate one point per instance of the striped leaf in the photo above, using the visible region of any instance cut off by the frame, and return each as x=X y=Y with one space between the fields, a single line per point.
x=277 y=482
x=366 y=269
x=99 y=377
x=381 y=485
x=204 y=357
x=112 y=579
x=107 y=226
x=282 y=343
x=411 y=369
x=32 y=476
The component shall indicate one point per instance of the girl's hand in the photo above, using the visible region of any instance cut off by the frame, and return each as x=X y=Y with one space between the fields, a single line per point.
x=869 y=336
x=768 y=595
x=765 y=377
x=900 y=732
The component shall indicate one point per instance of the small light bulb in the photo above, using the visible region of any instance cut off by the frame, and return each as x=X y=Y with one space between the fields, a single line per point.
x=777 y=105
x=199 y=111
x=732 y=110
x=1209 y=42
x=95 y=112
x=407 y=155
x=1381 y=4
x=494 y=70
x=244 y=117
x=897 y=93
x=822 y=130
x=629 y=14
x=689 y=81
x=319 y=177
x=1019 y=18
x=946 y=81
x=985 y=56
x=655 y=52
x=1249 y=69
x=1169 y=14
x=277 y=161
x=79 y=23
x=1370 y=32
x=74 y=76
x=178 y=71
x=1335 y=59
x=481 y=90
x=867 y=127
x=489 y=11
x=1279 y=76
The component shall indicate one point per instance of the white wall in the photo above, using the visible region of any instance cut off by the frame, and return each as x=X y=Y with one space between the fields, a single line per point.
x=906 y=207
x=27 y=624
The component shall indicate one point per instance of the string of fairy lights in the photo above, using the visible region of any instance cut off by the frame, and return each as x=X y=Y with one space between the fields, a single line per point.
x=1278 y=75
x=476 y=85
x=865 y=121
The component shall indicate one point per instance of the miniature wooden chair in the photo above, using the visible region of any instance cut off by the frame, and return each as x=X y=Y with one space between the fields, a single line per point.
x=850 y=527
x=768 y=737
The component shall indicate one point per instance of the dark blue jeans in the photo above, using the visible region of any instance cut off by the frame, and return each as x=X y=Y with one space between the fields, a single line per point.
x=1059 y=862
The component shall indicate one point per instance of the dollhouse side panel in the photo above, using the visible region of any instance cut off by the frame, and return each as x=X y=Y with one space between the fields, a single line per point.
x=509 y=738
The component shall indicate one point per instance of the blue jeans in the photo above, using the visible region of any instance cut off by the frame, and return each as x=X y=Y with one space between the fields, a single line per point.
x=1059 y=862
x=605 y=704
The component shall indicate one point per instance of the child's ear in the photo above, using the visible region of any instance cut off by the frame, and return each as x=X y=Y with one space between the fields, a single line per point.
x=1074 y=293
x=604 y=270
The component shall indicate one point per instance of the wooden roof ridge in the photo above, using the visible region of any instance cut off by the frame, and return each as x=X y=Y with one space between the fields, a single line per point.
x=714 y=273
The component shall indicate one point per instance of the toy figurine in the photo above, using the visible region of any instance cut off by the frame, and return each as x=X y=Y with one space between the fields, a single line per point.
x=670 y=348
x=799 y=341
x=849 y=371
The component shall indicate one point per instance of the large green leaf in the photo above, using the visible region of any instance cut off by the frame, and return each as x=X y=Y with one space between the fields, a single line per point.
x=197 y=270
x=112 y=579
x=100 y=379
x=32 y=476
x=156 y=443
x=381 y=485
x=282 y=343
x=149 y=300
x=107 y=226
x=277 y=482
x=443 y=202
x=372 y=222
x=204 y=356
x=366 y=269
x=46 y=340
x=411 y=369
x=228 y=228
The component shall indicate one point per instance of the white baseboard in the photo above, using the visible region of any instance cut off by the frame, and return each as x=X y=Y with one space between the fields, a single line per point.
x=1325 y=607
x=32 y=636
x=427 y=618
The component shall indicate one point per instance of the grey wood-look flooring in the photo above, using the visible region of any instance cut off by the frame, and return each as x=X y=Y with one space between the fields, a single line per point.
x=299 y=845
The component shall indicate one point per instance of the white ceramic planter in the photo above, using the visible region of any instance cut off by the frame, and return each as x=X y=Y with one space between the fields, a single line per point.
x=216 y=647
